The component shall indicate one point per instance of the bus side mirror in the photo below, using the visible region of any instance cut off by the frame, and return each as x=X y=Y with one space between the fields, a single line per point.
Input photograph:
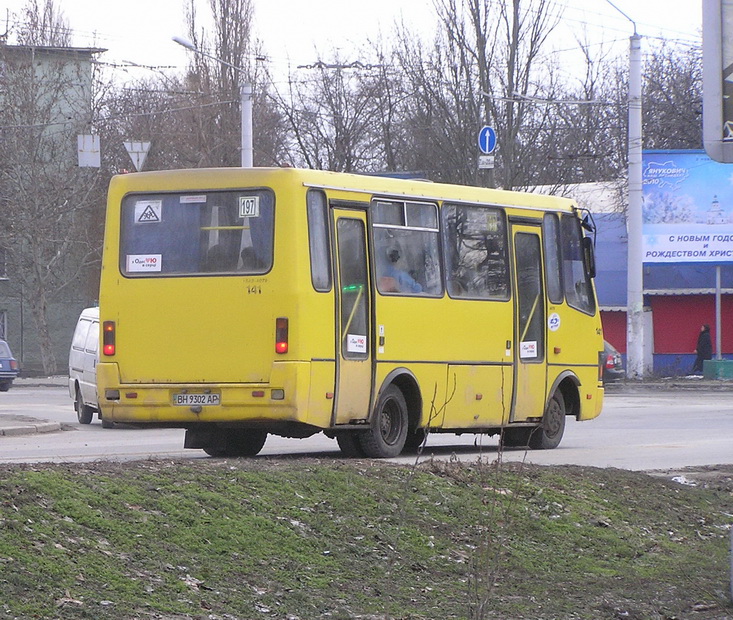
x=588 y=223
x=590 y=256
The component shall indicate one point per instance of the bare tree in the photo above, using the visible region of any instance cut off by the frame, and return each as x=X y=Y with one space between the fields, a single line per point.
x=485 y=66
x=390 y=94
x=513 y=73
x=43 y=24
x=440 y=112
x=48 y=205
x=585 y=140
x=153 y=110
x=331 y=110
x=672 y=105
x=213 y=87
x=193 y=120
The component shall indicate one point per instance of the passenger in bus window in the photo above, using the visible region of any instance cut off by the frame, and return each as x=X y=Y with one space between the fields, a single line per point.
x=218 y=259
x=250 y=262
x=404 y=282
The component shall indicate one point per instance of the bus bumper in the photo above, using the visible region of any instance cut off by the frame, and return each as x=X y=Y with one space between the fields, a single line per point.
x=281 y=400
x=591 y=403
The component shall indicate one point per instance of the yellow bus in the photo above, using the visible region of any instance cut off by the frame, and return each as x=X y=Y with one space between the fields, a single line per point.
x=237 y=303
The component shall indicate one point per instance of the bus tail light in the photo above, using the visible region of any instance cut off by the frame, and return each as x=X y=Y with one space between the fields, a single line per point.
x=108 y=337
x=281 y=335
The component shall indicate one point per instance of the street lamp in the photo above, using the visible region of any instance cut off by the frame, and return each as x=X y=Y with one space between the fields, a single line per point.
x=245 y=93
x=635 y=366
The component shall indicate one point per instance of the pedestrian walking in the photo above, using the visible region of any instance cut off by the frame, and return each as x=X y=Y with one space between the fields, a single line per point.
x=704 y=349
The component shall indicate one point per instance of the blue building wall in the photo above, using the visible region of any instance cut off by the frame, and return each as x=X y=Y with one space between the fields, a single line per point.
x=679 y=279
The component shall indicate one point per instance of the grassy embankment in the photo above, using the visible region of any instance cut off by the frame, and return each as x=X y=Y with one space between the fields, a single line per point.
x=302 y=538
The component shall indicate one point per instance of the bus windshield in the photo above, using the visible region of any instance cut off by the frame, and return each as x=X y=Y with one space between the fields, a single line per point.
x=174 y=234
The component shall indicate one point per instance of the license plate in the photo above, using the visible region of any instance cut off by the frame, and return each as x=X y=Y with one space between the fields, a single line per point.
x=187 y=399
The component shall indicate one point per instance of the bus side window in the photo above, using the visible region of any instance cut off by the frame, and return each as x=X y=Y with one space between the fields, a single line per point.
x=551 y=240
x=475 y=243
x=318 y=240
x=406 y=248
x=576 y=279
x=354 y=294
x=531 y=306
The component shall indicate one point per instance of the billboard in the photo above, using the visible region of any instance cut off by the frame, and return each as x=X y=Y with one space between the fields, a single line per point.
x=687 y=208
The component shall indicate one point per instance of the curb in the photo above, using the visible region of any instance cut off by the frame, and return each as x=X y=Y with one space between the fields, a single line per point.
x=29 y=429
x=673 y=385
x=35 y=382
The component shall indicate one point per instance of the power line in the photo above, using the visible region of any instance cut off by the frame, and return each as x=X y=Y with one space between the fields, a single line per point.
x=114 y=117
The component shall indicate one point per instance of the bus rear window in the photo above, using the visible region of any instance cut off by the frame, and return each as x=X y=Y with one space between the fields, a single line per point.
x=192 y=233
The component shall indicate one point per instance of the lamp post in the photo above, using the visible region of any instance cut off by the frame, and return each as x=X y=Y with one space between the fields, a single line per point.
x=635 y=271
x=245 y=94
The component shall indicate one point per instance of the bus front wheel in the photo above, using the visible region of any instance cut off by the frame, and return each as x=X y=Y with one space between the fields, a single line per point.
x=548 y=434
x=388 y=432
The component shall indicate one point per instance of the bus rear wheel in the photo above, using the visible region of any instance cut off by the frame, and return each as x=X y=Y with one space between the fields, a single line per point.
x=388 y=432
x=241 y=442
x=549 y=434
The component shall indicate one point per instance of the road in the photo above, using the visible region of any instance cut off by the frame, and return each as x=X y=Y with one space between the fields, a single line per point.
x=648 y=430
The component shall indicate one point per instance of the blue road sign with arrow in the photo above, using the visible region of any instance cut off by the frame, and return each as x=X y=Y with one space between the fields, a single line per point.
x=487 y=140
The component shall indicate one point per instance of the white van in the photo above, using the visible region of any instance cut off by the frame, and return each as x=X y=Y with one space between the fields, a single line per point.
x=83 y=358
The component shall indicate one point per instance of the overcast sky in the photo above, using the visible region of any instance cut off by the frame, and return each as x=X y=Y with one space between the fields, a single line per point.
x=291 y=30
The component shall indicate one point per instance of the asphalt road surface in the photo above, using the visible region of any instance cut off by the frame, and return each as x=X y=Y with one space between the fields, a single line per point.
x=648 y=430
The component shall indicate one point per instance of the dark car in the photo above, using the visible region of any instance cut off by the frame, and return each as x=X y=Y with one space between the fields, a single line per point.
x=613 y=366
x=8 y=367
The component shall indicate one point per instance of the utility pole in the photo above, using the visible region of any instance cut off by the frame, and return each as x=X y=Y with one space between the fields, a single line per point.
x=635 y=270
x=245 y=91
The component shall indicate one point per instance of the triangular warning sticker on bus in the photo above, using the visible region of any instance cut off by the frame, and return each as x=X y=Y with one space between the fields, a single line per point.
x=148 y=211
x=149 y=215
x=137 y=151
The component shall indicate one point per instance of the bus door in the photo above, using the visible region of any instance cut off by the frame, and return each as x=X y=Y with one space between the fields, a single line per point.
x=353 y=312
x=529 y=324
